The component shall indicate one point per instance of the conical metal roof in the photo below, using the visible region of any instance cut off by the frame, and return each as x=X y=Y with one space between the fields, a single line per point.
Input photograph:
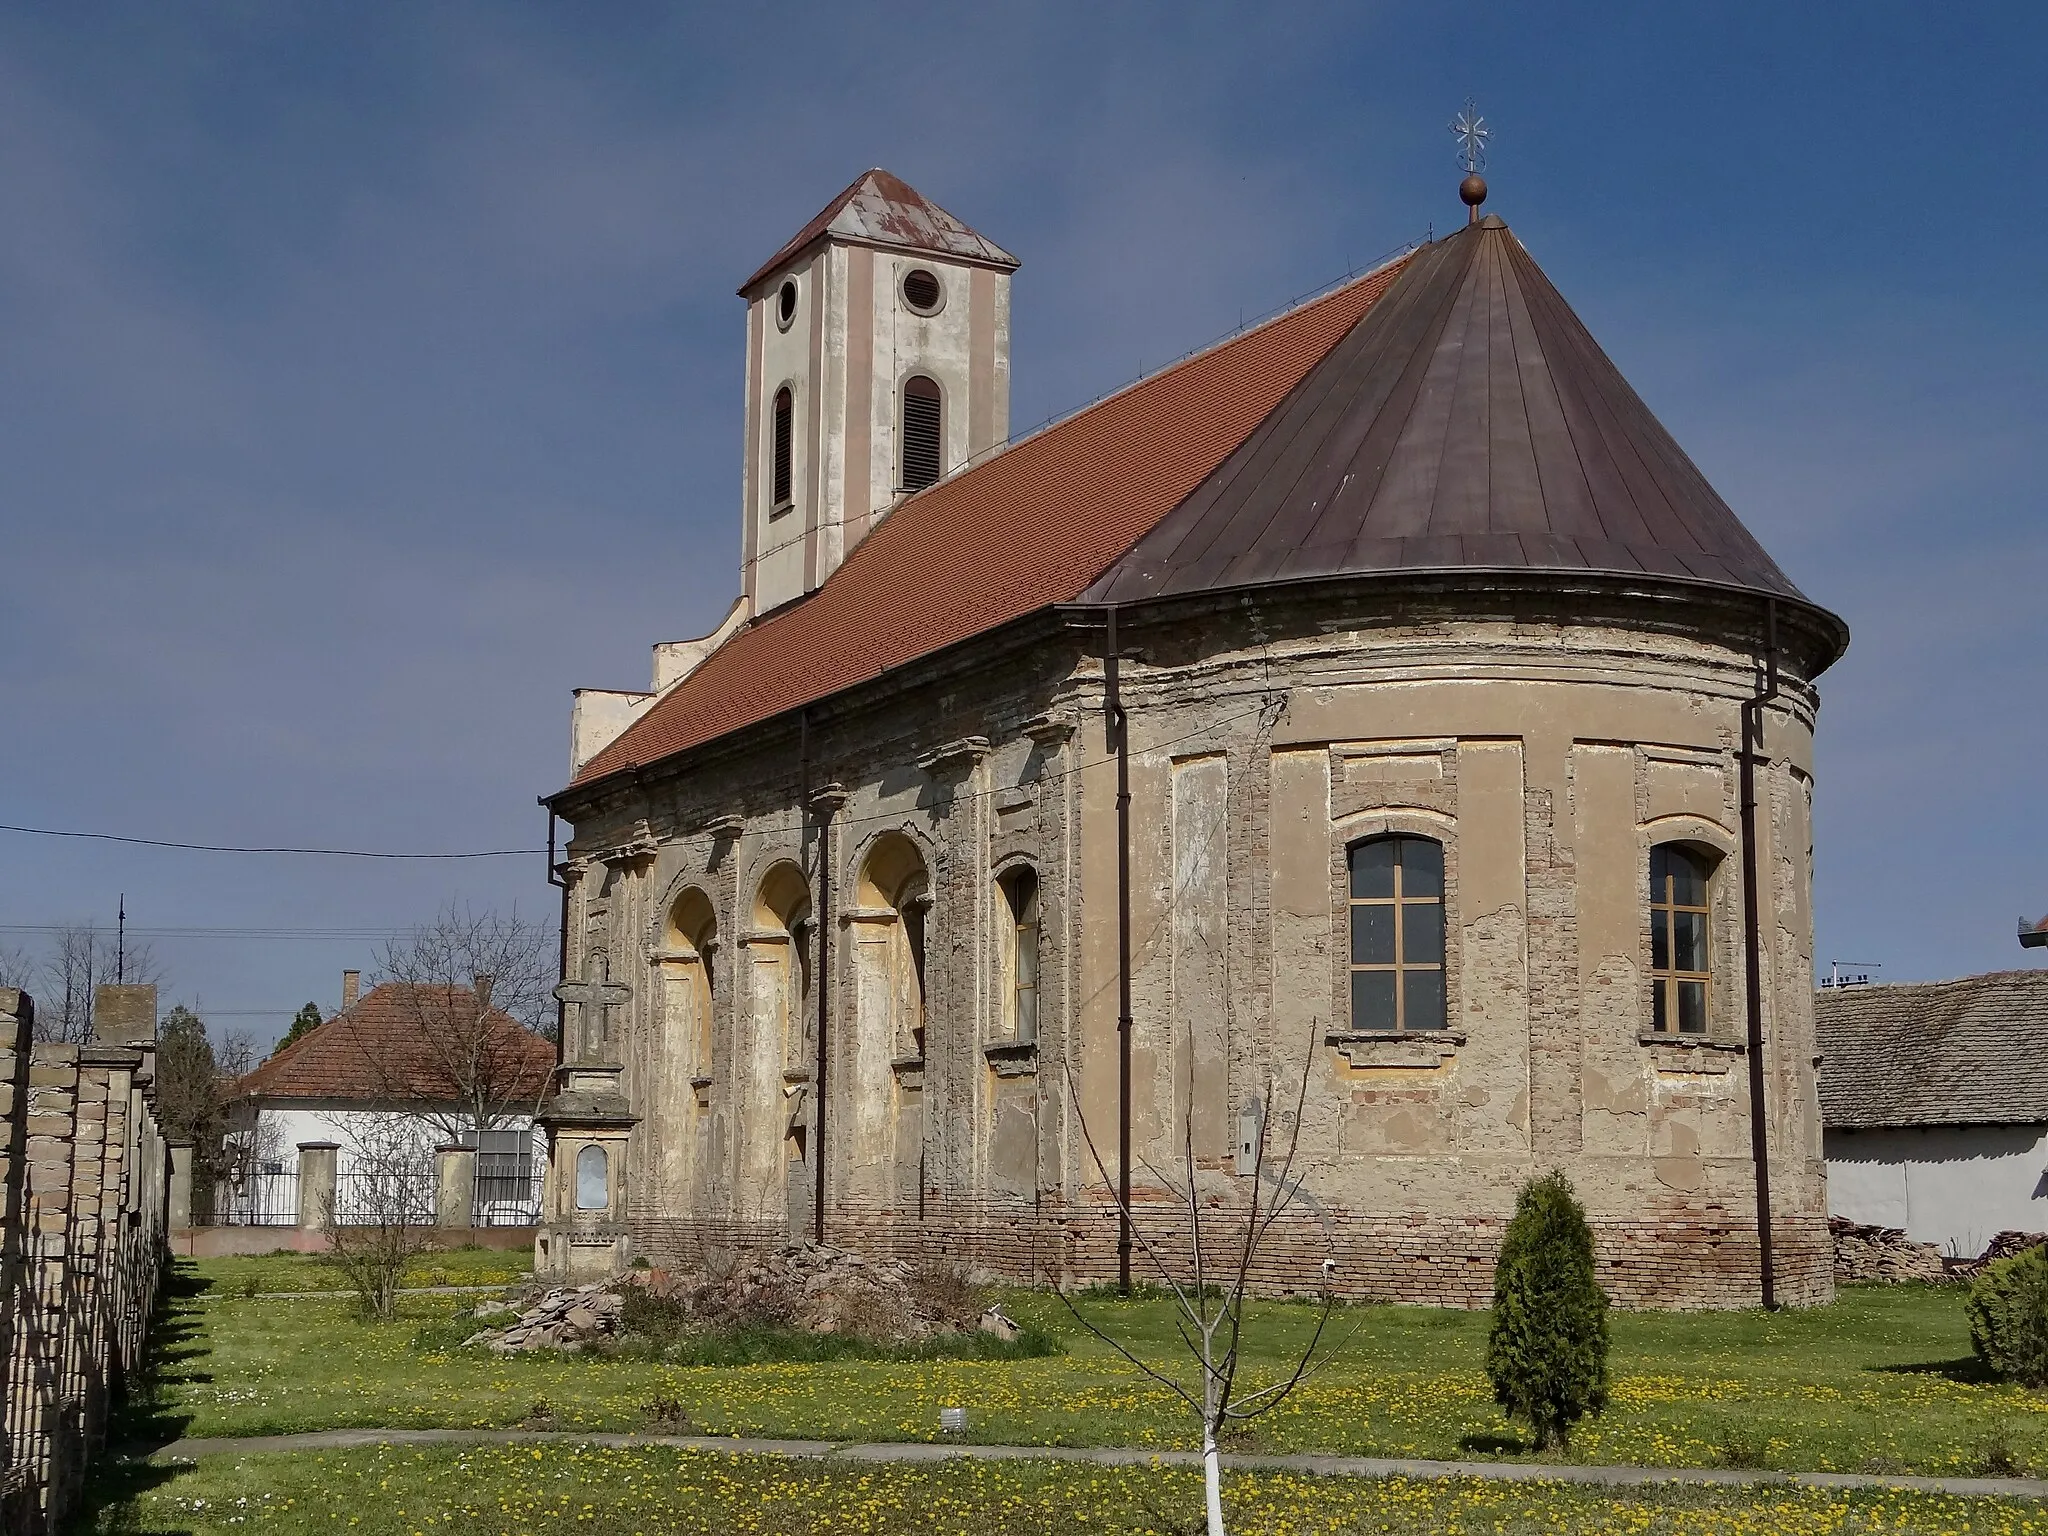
x=1468 y=422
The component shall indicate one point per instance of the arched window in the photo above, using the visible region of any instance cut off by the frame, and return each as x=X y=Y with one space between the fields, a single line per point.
x=1679 y=974
x=1397 y=934
x=785 y=422
x=593 y=1191
x=1020 y=955
x=923 y=450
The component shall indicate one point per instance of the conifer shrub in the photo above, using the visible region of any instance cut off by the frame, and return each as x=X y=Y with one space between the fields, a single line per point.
x=2008 y=1309
x=1546 y=1354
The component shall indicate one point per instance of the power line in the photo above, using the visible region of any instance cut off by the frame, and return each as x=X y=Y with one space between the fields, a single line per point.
x=326 y=853
x=352 y=935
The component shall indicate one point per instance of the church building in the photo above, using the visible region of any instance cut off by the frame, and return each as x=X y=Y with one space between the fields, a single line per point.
x=1379 y=695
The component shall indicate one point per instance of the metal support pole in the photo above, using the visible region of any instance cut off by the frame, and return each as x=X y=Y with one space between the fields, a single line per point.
x=1113 y=700
x=1759 y=1125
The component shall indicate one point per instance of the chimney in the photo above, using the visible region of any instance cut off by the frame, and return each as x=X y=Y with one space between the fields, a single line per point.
x=351 y=983
x=483 y=990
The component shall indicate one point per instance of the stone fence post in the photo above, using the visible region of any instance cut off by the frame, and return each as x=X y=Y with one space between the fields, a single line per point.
x=44 y=1405
x=17 y=1022
x=454 y=1186
x=180 y=1214
x=319 y=1181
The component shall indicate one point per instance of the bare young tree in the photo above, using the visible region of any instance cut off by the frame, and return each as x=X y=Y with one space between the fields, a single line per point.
x=382 y=1218
x=1210 y=1281
x=16 y=968
x=463 y=974
x=79 y=960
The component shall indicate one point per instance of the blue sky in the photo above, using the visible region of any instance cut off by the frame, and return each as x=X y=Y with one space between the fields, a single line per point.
x=336 y=342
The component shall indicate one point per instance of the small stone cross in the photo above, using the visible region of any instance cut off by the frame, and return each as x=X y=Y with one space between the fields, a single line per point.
x=594 y=996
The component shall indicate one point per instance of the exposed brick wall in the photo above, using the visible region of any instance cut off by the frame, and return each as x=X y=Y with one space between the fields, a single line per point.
x=1693 y=1259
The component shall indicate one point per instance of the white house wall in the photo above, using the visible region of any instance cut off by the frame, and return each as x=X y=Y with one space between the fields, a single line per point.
x=1954 y=1186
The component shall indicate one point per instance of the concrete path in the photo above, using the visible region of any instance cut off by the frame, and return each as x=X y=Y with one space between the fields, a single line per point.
x=911 y=1452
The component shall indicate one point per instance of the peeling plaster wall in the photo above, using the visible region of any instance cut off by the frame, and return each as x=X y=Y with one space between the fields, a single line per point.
x=1546 y=749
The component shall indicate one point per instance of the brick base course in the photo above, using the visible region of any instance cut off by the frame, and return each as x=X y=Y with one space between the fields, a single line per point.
x=1705 y=1260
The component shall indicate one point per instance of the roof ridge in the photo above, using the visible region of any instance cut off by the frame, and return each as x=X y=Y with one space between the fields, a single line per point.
x=1015 y=534
x=2017 y=974
x=965 y=471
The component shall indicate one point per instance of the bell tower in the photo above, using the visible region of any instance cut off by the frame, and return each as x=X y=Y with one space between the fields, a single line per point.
x=878 y=362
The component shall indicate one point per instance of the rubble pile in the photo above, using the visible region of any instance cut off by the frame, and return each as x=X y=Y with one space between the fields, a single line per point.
x=2003 y=1246
x=822 y=1289
x=810 y=1286
x=561 y=1319
x=1865 y=1253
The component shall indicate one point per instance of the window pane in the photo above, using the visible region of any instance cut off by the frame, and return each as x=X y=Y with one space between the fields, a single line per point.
x=1372 y=1000
x=1372 y=868
x=1422 y=932
x=1689 y=940
x=1423 y=992
x=592 y=1193
x=1660 y=868
x=1692 y=1007
x=1027 y=1013
x=1688 y=880
x=1659 y=1019
x=1372 y=934
x=1660 y=940
x=1422 y=867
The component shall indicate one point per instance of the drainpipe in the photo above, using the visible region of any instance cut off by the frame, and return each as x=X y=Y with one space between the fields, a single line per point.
x=1759 y=1129
x=824 y=924
x=824 y=1016
x=1113 y=706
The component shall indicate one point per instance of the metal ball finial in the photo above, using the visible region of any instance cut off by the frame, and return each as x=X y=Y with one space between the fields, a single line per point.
x=1472 y=190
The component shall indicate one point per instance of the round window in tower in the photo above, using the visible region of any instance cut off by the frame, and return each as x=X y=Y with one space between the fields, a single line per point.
x=785 y=304
x=922 y=293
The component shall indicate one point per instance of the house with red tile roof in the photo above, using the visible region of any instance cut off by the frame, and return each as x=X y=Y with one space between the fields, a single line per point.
x=400 y=1071
x=1368 y=745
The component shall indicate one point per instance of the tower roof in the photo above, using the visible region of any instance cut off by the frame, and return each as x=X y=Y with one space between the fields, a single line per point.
x=881 y=209
x=1468 y=422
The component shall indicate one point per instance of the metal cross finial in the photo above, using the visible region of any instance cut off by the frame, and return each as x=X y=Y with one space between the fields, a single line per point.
x=1472 y=133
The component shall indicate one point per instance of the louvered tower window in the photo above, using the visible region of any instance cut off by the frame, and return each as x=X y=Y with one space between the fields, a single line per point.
x=923 y=456
x=785 y=412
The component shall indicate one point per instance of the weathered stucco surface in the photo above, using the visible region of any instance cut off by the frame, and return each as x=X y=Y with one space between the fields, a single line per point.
x=1546 y=743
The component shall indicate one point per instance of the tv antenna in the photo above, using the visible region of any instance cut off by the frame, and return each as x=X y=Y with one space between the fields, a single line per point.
x=1856 y=974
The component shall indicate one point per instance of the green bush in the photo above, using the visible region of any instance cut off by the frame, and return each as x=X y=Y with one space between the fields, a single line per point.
x=2008 y=1310
x=1547 y=1352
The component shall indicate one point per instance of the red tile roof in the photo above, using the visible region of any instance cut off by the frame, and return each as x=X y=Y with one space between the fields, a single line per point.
x=1028 y=528
x=377 y=1051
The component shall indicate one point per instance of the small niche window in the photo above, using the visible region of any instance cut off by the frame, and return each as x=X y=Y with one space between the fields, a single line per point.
x=779 y=473
x=1679 y=975
x=923 y=455
x=785 y=304
x=593 y=1192
x=1397 y=934
x=1020 y=963
x=922 y=292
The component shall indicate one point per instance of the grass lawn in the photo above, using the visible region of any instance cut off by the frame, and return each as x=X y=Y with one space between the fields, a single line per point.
x=637 y=1492
x=1880 y=1381
x=269 y=1273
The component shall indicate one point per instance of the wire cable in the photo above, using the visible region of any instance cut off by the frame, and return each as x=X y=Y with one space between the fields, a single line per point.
x=325 y=853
